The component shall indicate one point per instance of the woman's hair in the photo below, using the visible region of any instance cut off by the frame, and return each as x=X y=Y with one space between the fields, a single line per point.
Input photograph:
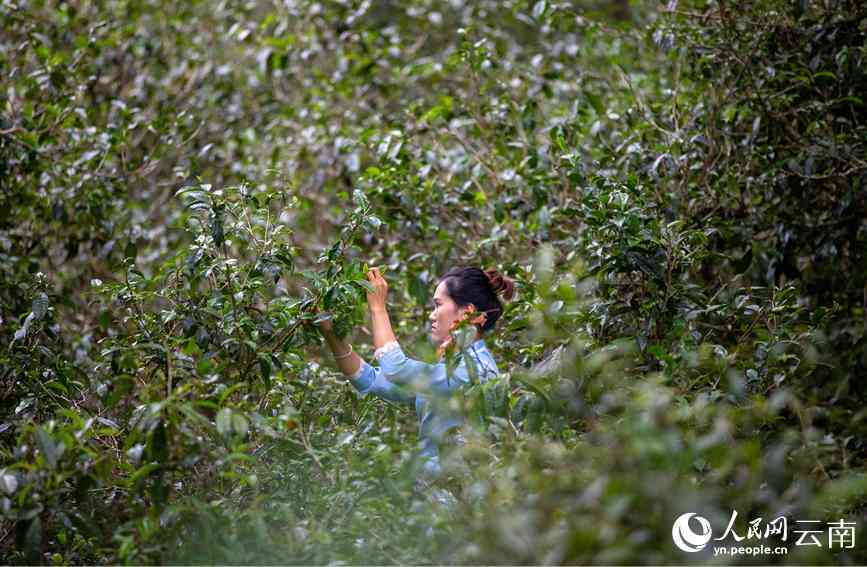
x=467 y=285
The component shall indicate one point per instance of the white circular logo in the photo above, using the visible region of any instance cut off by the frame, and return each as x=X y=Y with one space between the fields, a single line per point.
x=685 y=538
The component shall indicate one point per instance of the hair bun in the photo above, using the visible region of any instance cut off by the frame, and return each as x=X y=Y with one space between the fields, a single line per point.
x=501 y=284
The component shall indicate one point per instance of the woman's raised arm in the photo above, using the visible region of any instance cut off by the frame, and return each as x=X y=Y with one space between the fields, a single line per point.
x=363 y=377
x=376 y=304
x=396 y=367
x=346 y=359
x=400 y=369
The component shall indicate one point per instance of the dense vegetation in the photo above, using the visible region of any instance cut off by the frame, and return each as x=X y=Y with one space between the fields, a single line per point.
x=678 y=189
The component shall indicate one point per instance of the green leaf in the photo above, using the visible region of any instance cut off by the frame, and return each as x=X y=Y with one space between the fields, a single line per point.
x=470 y=363
x=224 y=421
x=8 y=482
x=464 y=336
x=224 y=395
x=360 y=199
x=40 y=306
x=135 y=481
x=21 y=333
x=158 y=443
x=50 y=450
x=240 y=423
x=131 y=250
x=373 y=223
x=265 y=368
x=217 y=226
x=33 y=540
x=595 y=102
x=364 y=284
x=240 y=457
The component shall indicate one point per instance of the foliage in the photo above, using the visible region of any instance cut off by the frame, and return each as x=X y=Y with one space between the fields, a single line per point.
x=676 y=189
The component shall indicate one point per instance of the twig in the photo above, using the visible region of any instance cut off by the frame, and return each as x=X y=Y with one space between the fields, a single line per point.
x=463 y=141
x=168 y=370
x=641 y=102
x=848 y=172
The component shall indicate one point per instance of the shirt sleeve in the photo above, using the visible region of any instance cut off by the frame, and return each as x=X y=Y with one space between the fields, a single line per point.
x=400 y=369
x=421 y=376
x=370 y=380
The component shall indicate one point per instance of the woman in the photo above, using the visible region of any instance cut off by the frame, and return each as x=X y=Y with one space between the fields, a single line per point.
x=460 y=293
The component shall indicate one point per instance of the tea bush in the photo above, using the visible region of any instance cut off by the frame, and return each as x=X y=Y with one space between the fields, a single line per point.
x=186 y=187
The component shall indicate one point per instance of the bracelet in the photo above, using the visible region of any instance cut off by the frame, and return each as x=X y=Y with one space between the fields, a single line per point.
x=343 y=355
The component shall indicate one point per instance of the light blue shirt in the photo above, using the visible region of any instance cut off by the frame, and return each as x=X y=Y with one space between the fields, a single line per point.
x=406 y=380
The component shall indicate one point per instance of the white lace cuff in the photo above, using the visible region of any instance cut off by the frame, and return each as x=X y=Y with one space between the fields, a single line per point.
x=358 y=372
x=387 y=347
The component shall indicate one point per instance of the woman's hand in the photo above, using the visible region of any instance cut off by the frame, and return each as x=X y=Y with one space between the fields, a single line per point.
x=377 y=298
x=346 y=360
x=324 y=325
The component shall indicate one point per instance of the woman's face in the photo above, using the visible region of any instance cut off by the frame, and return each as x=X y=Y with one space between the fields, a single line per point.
x=444 y=313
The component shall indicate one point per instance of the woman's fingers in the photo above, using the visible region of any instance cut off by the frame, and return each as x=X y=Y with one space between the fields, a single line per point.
x=374 y=273
x=376 y=278
x=323 y=323
x=380 y=288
